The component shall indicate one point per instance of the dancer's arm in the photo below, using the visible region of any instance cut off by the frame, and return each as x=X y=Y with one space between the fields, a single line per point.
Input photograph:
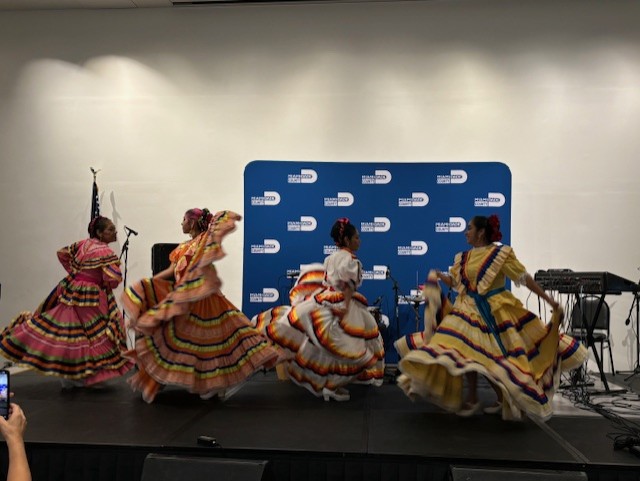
x=534 y=287
x=65 y=255
x=347 y=291
x=446 y=278
x=517 y=272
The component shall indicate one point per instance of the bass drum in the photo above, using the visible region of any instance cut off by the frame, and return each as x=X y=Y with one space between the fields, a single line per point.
x=381 y=320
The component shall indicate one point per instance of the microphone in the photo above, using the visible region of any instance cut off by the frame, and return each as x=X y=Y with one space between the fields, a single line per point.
x=130 y=230
x=627 y=322
x=377 y=301
x=388 y=274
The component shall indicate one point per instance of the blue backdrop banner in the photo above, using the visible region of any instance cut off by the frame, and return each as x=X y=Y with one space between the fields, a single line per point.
x=411 y=218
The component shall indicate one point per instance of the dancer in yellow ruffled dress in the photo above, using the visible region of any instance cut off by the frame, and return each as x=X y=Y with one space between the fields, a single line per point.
x=488 y=332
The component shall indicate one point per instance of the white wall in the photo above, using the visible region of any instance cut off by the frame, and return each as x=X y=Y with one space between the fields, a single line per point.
x=171 y=104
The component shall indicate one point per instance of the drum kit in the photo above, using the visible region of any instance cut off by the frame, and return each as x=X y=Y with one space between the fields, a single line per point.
x=382 y=320
x=414 y=300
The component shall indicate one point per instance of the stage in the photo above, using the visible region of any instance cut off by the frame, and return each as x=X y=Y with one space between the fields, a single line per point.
x=105 y=434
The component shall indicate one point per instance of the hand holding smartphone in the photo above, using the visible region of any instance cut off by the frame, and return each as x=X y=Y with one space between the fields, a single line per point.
x=4 y=393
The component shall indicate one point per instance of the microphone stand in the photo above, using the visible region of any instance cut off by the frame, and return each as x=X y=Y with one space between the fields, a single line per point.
x=636 y=368
x=396 y=299
x=415 y=304
x=391 y=370
x=125 y=253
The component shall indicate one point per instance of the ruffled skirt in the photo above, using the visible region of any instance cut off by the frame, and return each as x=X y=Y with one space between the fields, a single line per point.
x=527 y=375
x=323 y=346
x=76 y=342
x=205 y=346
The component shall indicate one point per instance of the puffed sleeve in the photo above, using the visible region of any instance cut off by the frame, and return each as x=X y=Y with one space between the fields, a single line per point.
x=342 y=268
x=112 y=275
x=65 y=256
x=514 y=269
x=454 y=271
x=110 y=265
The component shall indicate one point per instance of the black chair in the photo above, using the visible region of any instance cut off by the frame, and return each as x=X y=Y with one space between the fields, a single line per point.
x=588 y=304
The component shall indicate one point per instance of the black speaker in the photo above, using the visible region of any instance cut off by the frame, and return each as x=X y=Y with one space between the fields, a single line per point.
x=160 y=256
x=460 y=473
x=160 y=467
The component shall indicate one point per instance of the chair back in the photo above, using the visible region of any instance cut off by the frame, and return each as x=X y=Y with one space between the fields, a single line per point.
x=589 y=304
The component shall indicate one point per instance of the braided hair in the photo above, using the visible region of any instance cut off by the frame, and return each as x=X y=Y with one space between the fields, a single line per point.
x=98 y=223
x=342 y=229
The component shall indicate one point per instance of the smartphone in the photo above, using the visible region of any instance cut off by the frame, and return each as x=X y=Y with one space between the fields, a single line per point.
x=4 y=393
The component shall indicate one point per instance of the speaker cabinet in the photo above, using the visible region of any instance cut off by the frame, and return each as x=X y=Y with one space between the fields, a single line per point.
x=159 y=467
x=160 y=257
x=460 y=473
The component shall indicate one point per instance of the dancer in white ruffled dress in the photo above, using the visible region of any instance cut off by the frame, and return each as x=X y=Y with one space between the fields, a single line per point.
x=327 y=336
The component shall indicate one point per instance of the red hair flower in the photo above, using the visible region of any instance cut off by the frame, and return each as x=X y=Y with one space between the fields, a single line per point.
x=494 y=222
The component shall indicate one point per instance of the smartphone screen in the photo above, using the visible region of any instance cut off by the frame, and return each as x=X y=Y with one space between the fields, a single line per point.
x=4 y=393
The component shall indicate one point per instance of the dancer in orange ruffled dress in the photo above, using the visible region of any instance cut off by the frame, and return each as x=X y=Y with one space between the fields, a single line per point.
x=188 y=333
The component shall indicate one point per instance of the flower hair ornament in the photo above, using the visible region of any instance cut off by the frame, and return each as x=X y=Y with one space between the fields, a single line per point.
x=494 y=222
x=343 y=222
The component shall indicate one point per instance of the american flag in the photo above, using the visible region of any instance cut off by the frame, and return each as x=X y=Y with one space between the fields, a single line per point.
x=95 y=200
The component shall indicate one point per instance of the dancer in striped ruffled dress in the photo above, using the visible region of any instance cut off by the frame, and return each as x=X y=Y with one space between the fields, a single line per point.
x=188 y=333
x=327 y=336
x=77 y=334
x=487 y=332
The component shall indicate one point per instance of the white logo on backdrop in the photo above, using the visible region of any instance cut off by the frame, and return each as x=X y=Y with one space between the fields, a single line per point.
x=344 y=199
x=455 y=224
x=268 y=294
x=306 y=223
x=329 y=249
x=456 y=176
x=270 y=246
x=306 y=176
x=379 y=273
x=292 y=273
x=270 y=197
x=379 y=177
x=379 y=224
x=417 y=248
x=417 y=199
x=493 y=199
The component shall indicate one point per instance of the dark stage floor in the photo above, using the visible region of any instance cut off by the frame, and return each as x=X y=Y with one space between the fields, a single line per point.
x=270 y=418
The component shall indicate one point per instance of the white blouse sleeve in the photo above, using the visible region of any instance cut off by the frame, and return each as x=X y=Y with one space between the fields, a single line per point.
x=342 y=269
